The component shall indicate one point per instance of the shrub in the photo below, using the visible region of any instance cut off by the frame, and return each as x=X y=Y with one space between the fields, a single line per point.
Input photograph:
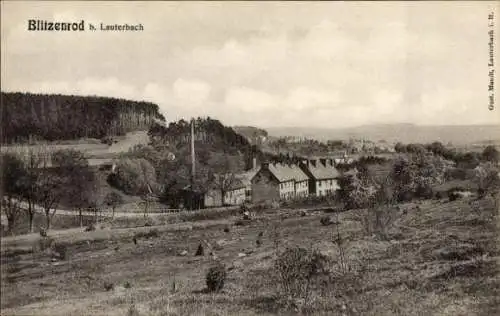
x=378 y=220
x=43 y=232
x=61 y=251
x=215 y=277
x=200 y=251
x=150 y=234
x=326 y=220
x=239 y=223
x=108 y=286
x=127 y=285
x=452 y=195
x=226 y=229
x=439 y=195
x=297 y=269
x=90 y=228
x=43 y=244
x=132 y=311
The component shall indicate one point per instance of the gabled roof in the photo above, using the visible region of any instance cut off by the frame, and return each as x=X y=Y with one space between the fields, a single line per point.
x=246 y=177
x=236 y=184
x=320 y=172
x=286 y=173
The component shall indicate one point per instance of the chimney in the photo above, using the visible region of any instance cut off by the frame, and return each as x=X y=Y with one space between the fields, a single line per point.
x=313 y=162
x=254 y=163
x=323 y=161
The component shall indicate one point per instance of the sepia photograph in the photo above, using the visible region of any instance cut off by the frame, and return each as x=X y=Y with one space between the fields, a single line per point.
x=228 y=158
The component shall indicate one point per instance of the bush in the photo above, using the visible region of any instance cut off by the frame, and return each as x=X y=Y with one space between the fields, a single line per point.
x=150 y=234
x=200 y=251
x=378 y=220
x=439 y=195
x=326 y=220
x=61 y=251
x=90 y=228
x=132 y=311
x=297 y=269
x=453 y=195
x=43 y=244
x=108 y=286
x=215 y=277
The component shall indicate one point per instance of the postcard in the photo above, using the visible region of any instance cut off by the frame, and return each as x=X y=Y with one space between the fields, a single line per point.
x=249 y=158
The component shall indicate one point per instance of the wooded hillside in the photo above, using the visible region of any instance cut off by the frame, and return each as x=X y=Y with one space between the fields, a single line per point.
x=26 y=116
x=211 y=136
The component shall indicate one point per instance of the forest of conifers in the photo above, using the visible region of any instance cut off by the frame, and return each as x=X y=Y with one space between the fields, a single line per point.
x=64 y=117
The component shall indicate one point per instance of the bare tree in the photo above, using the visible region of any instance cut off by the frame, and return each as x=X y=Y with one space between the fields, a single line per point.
x=113 y=200
x=224 y=177
x=12 y=210
x=34 y=159
x=49 y=193
x=12 y=169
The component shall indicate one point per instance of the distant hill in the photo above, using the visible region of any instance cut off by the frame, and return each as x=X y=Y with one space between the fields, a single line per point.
x=406 y=133
x=26 y=116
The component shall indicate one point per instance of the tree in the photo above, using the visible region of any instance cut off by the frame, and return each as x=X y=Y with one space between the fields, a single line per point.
x=12 y=169
x=416 y=175
x=356 y=191
x=113 y=199
x=400 y=147
x=75 y=171
x=490 y=153
x=486 y=176
x=437 y=148
x=34 y=159
x=224 y=177
x=48 y=193
x=136 y=177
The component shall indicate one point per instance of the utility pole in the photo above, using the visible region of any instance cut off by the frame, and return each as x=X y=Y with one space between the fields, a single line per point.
x=193 y=163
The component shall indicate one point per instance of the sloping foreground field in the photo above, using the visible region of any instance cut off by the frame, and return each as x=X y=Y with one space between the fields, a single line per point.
x=440 y=258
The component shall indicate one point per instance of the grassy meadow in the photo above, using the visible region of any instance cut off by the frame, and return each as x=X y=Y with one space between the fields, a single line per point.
x=434 y=257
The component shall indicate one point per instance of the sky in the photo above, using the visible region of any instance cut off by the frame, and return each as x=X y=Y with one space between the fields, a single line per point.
x=272 y=64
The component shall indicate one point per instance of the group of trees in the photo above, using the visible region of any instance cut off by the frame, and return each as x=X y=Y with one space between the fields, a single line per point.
x=413 y=175
x=464 y=159
x=165 y=171
x=35 y=183
x=61 y=117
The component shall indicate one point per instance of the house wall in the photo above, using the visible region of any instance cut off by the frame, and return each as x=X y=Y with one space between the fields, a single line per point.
x=287 y=190
x=302 y=189
x=265 y=188
x=326 y=187
x=235 y=197
x=248 y=193
x=213 y=198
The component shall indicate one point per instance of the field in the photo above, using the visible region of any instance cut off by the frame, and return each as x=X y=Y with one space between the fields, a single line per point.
x=440 y=258
x=93 y=148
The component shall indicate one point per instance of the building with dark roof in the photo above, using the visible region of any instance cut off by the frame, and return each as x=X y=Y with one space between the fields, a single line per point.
x=275 y=182
x=322 y=176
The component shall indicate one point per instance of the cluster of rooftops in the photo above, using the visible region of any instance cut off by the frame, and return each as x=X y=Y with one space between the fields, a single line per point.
x=313 y=169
